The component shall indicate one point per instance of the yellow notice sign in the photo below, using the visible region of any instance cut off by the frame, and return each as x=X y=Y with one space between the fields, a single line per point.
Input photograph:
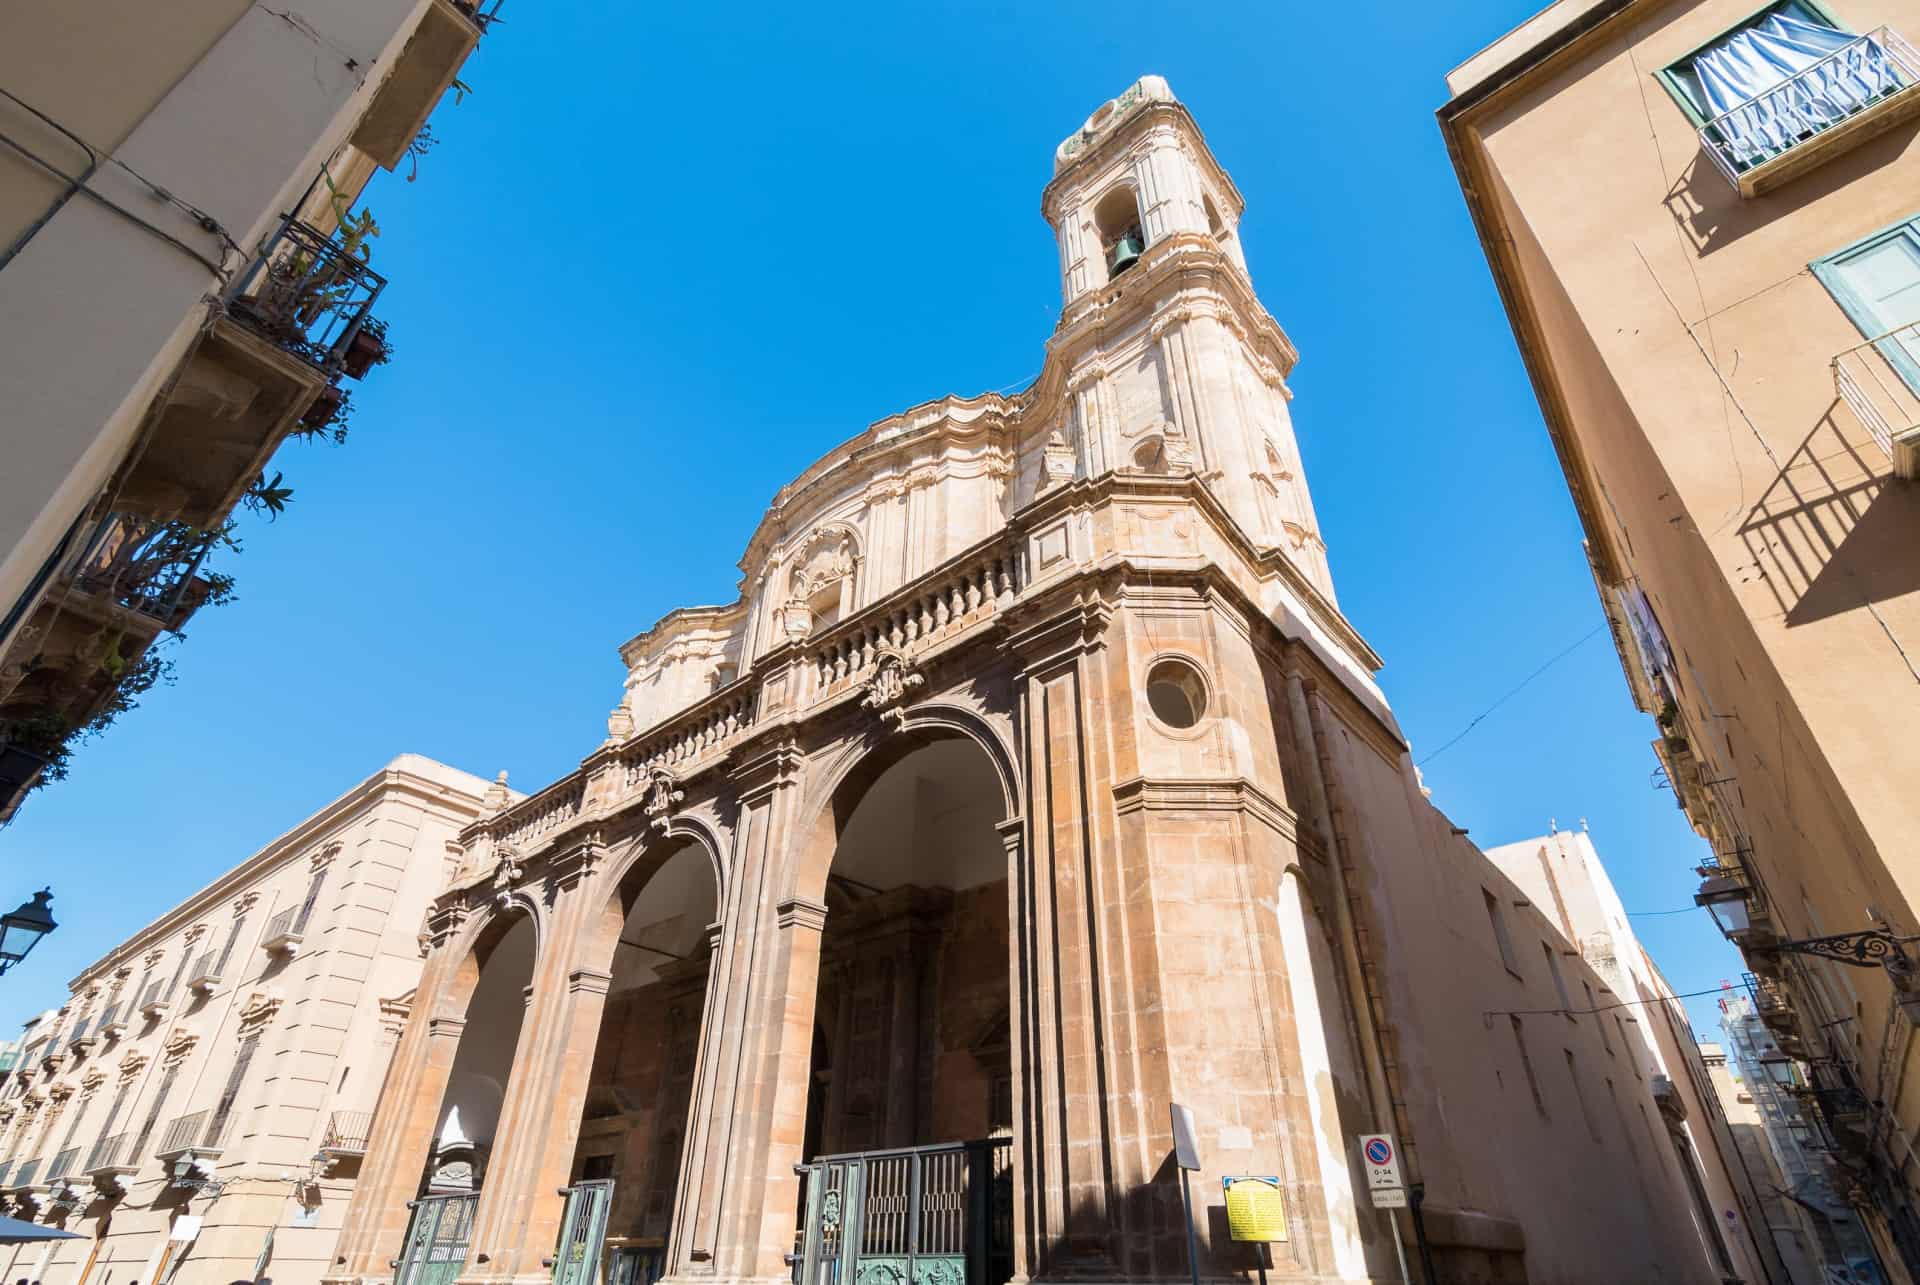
x=1255 y=1208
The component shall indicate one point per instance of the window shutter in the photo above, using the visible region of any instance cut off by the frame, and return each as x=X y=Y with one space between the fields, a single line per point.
x=226 y=951
x=227 y=1095
x=153 y=1112
x=313 y=895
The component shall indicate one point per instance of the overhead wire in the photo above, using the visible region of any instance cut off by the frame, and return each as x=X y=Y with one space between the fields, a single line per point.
x=1511 y=693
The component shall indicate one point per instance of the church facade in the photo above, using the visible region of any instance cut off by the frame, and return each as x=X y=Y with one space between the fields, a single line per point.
x=1034 y=783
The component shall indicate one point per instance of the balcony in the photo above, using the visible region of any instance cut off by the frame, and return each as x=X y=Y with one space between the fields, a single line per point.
x=346 y=1134
x=63 y=1164
x=189 y=1137
x=26 y=1177
x=1876 y=380
x=111 y=1162
x=155 y=1003
x=131 y=580
x=204 y=977
x=309 y=293
x=1854 y=93
x=427 y=65
x=82 y=1038
x=1771 y=1004
x=285 y=932
x=113 y=1022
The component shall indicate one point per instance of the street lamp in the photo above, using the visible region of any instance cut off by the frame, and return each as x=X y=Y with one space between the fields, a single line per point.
x=1726 y=900
x=22 y=930
x=1779 y=1069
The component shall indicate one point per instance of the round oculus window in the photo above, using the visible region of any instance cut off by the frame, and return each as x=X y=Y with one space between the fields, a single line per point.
x=1176 y=694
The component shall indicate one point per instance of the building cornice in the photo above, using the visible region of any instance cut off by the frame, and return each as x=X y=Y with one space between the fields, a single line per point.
x=390 y=781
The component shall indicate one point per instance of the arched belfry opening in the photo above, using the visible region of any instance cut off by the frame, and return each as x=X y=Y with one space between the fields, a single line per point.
x=656 y=935
x=1116 y=218
x=463 y=1134
x=910 y=1107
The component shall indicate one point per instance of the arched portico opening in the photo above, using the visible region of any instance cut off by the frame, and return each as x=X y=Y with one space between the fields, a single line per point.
x=656 y=934
x=910 y=1104
x=496 y=977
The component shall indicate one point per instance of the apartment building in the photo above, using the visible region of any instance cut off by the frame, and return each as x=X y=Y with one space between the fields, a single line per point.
x=1701 y=216
x=184 y=283
x=198 y=1109
x=1561 y=873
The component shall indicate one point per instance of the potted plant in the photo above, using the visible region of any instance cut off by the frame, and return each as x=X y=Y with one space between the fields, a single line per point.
x=326 y=408
x=367 y=349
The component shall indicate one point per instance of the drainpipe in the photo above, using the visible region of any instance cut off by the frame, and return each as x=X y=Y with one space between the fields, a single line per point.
x=1308 y=733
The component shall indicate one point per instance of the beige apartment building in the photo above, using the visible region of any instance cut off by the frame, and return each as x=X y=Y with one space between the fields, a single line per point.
x=199 y=1110
x=1033 y=783
x=1701 y=218
x=1700 y=1158
x=177 y=296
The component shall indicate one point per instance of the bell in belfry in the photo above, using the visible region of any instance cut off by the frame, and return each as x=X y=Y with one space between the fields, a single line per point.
x=1125 y=252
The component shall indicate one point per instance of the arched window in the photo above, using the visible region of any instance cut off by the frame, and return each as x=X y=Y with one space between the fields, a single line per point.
x=1117 y=219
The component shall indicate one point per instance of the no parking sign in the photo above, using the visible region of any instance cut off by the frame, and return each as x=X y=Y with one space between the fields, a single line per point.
x=1382 y=1160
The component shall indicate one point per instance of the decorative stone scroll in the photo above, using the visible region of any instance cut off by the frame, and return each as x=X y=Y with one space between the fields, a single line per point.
x=508 y=871
x=887 y=688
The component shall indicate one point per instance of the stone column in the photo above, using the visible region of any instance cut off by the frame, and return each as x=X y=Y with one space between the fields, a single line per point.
x=733 y=1213
x=401 y=1136
x=517 y=1222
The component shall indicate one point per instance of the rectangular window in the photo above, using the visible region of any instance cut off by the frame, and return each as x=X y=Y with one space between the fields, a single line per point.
x=1559 y=982
x=1526 y=1065
x=226 y=951
x=313 y=895
x=1620 y=1114
x=1580 y=1096
x=1876 y=282
x=153 y=1113
x=1598 y=1021
x=1500 y=937
x=235 y=1078
x=173 y=986
x=1620 y=1029
x=1736 y=65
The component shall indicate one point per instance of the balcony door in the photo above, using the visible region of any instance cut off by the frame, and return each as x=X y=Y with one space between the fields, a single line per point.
x=1877 y=283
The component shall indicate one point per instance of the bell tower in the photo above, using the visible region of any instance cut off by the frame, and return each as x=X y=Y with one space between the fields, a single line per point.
x=1174 y=365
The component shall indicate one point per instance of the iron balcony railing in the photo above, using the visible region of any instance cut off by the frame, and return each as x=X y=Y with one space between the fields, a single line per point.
x=1877 y=380
x=482 y=13
x=111 y=1152
x=284 y=931
x=189 y=1133
x=148 y=566
x=1840 y=86
x=308 y=292
x=205 y=973
x=63 y=1164
x=28 y=1173
x=347 y=1132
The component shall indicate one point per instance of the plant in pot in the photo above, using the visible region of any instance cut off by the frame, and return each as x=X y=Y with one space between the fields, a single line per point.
x=367 y=349
x=327 y=416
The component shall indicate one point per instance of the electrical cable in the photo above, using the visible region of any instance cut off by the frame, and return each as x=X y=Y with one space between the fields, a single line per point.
x=1557 y=657
x=1644 y=914
x=1490 y=1014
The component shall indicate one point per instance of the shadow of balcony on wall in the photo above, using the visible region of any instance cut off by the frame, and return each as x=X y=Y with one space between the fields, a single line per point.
x=1834 y=531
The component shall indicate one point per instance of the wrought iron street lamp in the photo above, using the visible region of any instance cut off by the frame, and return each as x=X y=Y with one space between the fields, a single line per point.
x=22 y=930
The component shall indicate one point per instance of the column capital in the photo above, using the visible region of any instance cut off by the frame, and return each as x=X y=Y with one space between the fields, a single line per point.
x=590 y=980
x=448 y=1028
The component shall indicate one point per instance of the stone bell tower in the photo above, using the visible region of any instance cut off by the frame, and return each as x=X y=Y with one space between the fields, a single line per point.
x=1174 y=364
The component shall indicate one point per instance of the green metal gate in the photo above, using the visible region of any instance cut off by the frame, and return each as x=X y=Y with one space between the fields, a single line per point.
x=938 y=1215
x=583 y=1232
x=437 y=1238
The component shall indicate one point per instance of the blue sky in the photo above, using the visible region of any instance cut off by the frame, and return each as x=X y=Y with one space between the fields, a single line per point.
x=665 y=256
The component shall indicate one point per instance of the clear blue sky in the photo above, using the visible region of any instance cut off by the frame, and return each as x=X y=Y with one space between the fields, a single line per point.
x=665 y=256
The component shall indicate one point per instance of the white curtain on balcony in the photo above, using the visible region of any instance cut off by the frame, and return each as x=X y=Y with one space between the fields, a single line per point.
x=1770 y=85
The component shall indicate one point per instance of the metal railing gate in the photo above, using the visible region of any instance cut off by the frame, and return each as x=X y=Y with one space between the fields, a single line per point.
x=583 y=1232
x=437 y=1238
x=938 y=1215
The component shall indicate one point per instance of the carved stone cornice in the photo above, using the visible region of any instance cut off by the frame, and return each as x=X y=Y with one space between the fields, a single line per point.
x=589 y=981
x=245 y=902
x=802 y=912
x=1229 y=794
x=179 y=1045
x=258 y=1011
x=576 y=862
x=132 y=1064
x=446 y=916
x=323 y=858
